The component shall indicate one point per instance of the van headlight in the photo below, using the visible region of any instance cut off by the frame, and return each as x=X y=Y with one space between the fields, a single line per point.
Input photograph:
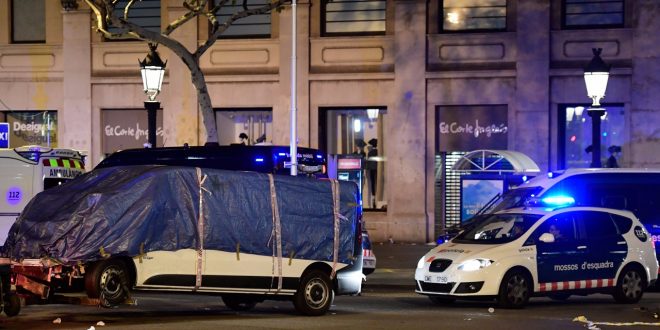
x=474 y=264
x=420 y=263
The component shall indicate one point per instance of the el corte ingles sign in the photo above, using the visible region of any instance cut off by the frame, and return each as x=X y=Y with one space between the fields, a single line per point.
x=463 y=128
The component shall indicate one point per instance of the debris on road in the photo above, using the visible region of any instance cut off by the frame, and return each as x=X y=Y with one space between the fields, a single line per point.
x=594 y=325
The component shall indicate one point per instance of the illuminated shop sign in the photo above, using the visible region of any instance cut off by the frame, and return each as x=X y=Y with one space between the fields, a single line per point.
x=464 y=128
x=127 y=129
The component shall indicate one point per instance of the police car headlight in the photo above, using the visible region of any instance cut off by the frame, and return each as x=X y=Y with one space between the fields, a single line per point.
x=474 y=264
x=420 y=263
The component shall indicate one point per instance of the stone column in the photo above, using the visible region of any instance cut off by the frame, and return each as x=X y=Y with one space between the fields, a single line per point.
x=182 y=122
x=645 y=113
x=529 y=114
x=75 y=118
x=405 y=127
x=281 y=110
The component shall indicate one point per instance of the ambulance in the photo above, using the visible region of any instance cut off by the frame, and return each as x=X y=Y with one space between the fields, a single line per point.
x=518 y=253
x=26 y=171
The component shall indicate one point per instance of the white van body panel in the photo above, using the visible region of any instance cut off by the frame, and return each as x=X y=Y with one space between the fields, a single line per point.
x=230 y=265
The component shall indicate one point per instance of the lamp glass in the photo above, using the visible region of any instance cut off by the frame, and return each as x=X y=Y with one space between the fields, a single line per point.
x=152 y=80
x=596 y=84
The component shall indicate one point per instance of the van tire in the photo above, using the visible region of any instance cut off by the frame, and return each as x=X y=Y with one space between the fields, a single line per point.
x=630 y=286
x=239 y=303
x=108 y=281
x=315 y=294
x=515 y=289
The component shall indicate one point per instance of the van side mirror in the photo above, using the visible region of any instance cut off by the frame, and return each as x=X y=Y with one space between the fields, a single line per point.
x=547 y=238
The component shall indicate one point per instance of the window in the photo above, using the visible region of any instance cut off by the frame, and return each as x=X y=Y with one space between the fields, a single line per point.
x=28 y=21
x=254 y=26
x=31 y=128
x=593 y=13
x=145 y=13
x=364 y=17
x=356 y=133
x=575 y=136
x=473 y=15
x=248 y=126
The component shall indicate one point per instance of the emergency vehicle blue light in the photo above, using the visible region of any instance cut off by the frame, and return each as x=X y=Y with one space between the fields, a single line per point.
x=319 y=156
x=550 y=175
x=281 y=154
x=259 y=160
x=558 y=200
x=524 y=178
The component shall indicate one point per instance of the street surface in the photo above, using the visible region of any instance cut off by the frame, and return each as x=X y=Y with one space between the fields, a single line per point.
x=388 y=302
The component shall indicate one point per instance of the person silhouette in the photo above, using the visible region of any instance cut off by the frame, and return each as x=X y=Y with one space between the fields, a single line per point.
x=372 y=169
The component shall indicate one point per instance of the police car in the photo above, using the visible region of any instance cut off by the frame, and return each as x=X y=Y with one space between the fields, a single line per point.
x=518 y=253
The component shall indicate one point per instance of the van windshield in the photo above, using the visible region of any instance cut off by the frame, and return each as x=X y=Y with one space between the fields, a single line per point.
x=497 y=229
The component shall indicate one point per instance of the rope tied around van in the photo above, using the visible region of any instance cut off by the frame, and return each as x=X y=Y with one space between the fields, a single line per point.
x=200 y=228
x=276 y=233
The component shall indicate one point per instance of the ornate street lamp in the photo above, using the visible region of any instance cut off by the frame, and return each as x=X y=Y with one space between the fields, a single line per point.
x=153 y=70
x=596 y=75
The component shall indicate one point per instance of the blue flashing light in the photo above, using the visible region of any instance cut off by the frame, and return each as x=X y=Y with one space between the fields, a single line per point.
x=281 y=154
x=604 y=134
x=259 y=160
x=524 y=178
x=558 y=200
x=550 y=175
x=319 y=156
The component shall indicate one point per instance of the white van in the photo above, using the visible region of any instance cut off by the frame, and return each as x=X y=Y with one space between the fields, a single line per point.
x=26 y=171
x=615 y=188
x=518 y=253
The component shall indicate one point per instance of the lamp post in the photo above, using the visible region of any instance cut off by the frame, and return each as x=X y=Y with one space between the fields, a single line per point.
x=596 y=75
x=153 y=70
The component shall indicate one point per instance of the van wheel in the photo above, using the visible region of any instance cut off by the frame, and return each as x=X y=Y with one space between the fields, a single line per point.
x=108 y=280
x=315 y=294
x=515 y=289
x=629 y=287
x=238 y=303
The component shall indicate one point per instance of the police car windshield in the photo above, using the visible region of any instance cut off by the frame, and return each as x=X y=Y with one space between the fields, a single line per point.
x=513 y=198
x=497 y=229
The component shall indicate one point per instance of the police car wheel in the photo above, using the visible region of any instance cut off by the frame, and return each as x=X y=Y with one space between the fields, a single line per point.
x=441 y=300
x=630 y=286
x=515 y=289
x=315 y=294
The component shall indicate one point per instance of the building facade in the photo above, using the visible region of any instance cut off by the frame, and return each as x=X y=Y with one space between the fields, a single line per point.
x=446 y=77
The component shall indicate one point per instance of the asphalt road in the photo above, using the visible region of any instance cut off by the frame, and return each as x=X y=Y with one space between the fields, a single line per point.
x=388 y=301
x=374 y=309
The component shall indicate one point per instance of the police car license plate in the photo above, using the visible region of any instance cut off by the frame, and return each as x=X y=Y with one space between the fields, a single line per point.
x=437 y=279
x=368 y=264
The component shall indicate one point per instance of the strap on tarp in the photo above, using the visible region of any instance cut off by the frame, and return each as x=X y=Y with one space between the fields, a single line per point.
x=337 y=216
x=200 y=229
x=277 y=232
